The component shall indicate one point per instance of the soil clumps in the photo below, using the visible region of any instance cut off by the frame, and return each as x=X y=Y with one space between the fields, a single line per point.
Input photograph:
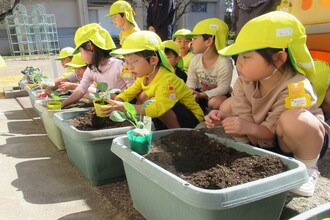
x=89 y=121
x=206 y=163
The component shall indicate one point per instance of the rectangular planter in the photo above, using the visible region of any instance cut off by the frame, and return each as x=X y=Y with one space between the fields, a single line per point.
x=33 y=97
x=319 y=212
x=159 y=194
x=46 y=115
x=89 y=151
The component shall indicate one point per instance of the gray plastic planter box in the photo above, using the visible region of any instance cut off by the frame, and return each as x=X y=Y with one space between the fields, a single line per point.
x=89 y=150
x=320 y=212
x=159 y=194
x=46 y=115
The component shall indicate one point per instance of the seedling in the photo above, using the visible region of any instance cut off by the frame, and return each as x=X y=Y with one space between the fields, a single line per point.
x=103 y=93
x=33 y=75
x=131 y=115
x=55 y=96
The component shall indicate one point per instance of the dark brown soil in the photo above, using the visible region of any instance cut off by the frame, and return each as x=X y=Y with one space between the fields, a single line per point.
x=79 y=104
x=206 y=163
x=89 y=121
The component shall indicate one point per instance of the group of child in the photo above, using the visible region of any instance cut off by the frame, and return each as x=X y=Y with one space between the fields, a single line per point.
x=272 y=104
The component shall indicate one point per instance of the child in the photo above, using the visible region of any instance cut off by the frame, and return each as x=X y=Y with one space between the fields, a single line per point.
x=174 y=105
x=72 y=80
x=65 y=56
x=172 y=53
x=122 y=16
x=273 y=105
x=210 y=74
x=180 y=37
x=95 y=44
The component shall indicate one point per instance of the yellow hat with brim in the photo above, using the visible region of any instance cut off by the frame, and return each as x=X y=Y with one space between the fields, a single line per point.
x=182 y=33
x=214 y=27
x=77 y=61
x=2 y=62
x=96 y=34
x=141 y=41
x=320 y=80
x=123 y=7
x=170 y=44
x=275 y=30
x=64 y=53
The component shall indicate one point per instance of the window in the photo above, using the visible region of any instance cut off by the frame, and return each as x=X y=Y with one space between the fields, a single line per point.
x=198 y=7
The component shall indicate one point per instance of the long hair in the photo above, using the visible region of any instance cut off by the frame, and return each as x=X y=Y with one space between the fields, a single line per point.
x=98 y=55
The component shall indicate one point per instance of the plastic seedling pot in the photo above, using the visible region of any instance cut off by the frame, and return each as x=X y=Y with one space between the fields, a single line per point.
x=98 y=108
x=54 y=105
x=139 y=143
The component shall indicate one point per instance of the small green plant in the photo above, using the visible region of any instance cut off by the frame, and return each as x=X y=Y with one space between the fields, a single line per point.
x=103 y=93
x=33 y=75
x=55 y=96
x=130 y=114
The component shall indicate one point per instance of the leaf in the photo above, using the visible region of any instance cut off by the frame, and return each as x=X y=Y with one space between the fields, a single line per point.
x=113 y=91
x=146 y=104
x=94 y=95
x=117 y=116
x=130 y=108
x=102 y=86
x=55 y=97
x=47 y=82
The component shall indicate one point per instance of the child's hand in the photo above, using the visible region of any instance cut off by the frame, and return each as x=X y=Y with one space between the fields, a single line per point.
x=64 y=86
x=113 y=105
x=236 y=126
x=214 y=118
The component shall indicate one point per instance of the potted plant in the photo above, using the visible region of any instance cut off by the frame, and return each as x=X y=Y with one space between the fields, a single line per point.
x=54 y=104
x=100 y=97
x=140 y=137
x=33 y=77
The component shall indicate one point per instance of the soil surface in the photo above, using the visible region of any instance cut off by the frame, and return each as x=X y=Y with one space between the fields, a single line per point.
x=79 y=104
x=206 y=163
x=89 y=121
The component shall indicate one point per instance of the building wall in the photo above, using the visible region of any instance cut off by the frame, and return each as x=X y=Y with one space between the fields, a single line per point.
x=71 y=14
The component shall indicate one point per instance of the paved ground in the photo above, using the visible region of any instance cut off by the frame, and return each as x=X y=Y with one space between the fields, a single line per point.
x=38 y=182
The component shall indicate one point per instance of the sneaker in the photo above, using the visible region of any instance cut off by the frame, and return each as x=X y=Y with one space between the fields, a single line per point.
x=308 y=188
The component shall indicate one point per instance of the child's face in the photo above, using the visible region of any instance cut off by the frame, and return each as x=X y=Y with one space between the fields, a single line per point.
x=80 y=71
x=118 y=20
x=65 y=61
x=138 y=65
x=252 y=66
x=87 y=55
x=172 y=58
x=184 y=44
x=198 y=44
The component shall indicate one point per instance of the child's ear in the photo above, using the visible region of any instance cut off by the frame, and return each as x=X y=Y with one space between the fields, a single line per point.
x=154 y=60
x=280 y=58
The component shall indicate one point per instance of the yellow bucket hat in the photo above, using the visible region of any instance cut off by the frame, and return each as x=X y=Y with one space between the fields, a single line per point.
x=181 y=33
x=141 y=41
x=212 y=26
x=95 y=33
x=275 y=30
x=170 y=44
x=121 y=6
x=64 y=53
x=77 y=61
x=320 y=81
x=2 y=62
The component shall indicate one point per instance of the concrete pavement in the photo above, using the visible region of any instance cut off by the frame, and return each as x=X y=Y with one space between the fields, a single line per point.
x=36 y=180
